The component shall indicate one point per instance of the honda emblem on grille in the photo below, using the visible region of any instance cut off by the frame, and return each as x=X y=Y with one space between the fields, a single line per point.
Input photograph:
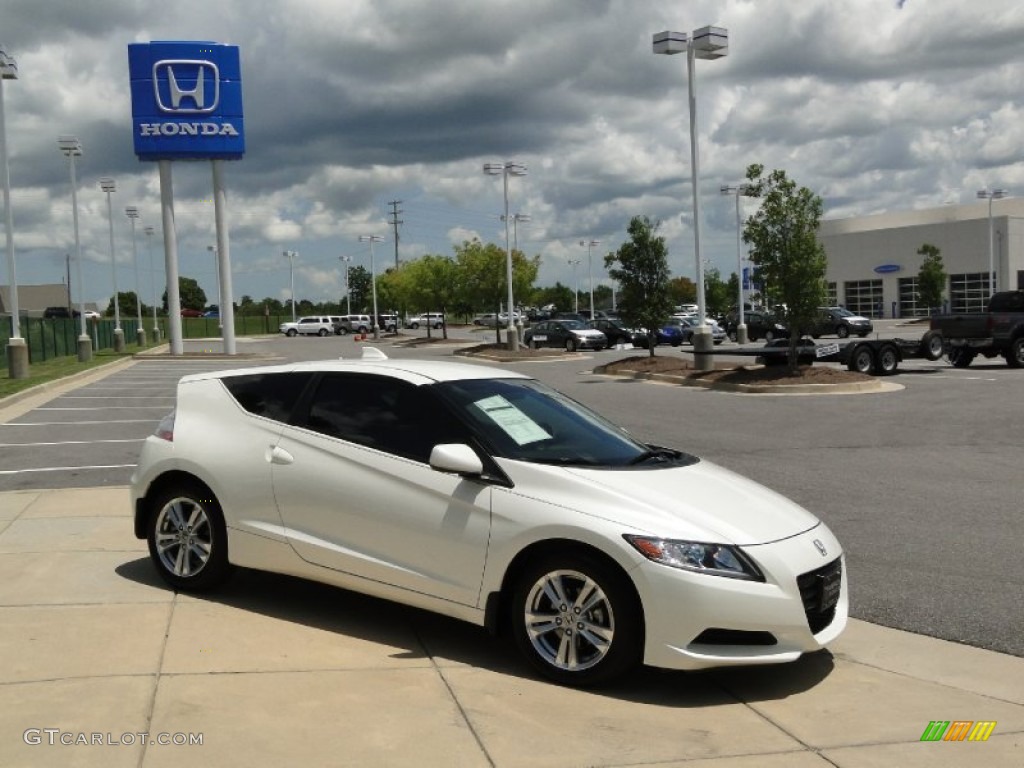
x=820 y=547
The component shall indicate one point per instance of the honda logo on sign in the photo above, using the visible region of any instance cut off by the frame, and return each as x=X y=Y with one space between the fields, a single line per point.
x=186 y=86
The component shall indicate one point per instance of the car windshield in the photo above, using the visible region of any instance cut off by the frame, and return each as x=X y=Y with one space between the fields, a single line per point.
x=525 y=420
x=843 y=312
x=573 y=325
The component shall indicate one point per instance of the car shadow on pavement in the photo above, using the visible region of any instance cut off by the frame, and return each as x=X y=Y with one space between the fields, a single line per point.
x=448 y=642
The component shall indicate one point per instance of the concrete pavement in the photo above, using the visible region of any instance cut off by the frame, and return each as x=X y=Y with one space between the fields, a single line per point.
x=277 y=671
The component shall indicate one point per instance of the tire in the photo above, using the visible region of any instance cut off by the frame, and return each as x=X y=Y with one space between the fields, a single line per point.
x=961 y=357
x=570 y=345
x=862 y=359
x=843 y=332
x=607 y=639
x=932 y=346
x=732 y=336
x=292 y=332
x=322 y=332
x=188 y=513
x=1015 y=354
x=888 y=360
x=415 y=326
x=534 y=344
x=676 y=342
x=362 y=329
x=769 y=336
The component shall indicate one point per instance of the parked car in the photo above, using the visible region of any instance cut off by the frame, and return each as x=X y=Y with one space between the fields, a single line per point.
x=432 y=319
x=486 y=318
x=668 y=333
x=997 y=332
x=595 y=551
x=613 y=329
x=314 y=325
x=568 y=334
x=189 y=312
x=388 y=323
x=90 y=314
x=841 y=322
x=356 y=324
x=689 y=324
x=57 y=313
x=214 y=312
x=578 y=316
x=760 y=325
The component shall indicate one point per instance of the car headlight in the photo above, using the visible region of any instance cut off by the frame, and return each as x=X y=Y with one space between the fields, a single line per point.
x=713 y=559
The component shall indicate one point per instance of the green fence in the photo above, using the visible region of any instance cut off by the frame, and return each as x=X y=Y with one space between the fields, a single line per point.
x=47 y=338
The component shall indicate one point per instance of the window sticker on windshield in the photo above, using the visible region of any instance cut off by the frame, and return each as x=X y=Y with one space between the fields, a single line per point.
x=514 y=422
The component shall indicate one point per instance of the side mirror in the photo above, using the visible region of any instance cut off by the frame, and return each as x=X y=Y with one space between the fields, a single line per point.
x=456 y=457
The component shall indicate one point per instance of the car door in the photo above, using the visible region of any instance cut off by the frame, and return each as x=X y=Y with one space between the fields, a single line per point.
x=357 y=495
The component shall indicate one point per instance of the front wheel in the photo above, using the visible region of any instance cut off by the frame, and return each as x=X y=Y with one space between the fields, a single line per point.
x=961 y=357
x=187 y=537
x=322 y=332
x=570 y=345
x=292 y=332
x=577 y=620
x=842 y=332
x=769 y=336
x=534 y=344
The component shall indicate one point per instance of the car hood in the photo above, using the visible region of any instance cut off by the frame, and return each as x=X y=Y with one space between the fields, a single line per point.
x=700 y=502
x=587 y=332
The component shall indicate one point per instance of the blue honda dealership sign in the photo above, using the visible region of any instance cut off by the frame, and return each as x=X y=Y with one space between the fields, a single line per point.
x=186 y=101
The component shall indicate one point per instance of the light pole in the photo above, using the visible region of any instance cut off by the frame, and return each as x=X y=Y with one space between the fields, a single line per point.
x=220 y=298
x=72 y=148
x=590 y=269
x=990 y=195
x=150 y=231
x=140 y=333
x=371 y=239
x=506 y=169
x=290 y=255
x=575 y=287
x=17 y=349
x=108 y=186
x=516 y=218
x=739 y=190
x=704 y=43
x=348 y=294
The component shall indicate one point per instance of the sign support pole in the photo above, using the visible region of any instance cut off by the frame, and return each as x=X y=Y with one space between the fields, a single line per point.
x=227 y=304
x=170 y=258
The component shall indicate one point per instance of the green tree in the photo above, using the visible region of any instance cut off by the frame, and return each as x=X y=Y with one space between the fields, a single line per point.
x=431 y=283
x=190 y=294
x=931 y=279
x=783 y=234
x=360 y=289
x=559 y=295
x=482 y=275
x=641 y=267
x=717 y=295
x=682 y=290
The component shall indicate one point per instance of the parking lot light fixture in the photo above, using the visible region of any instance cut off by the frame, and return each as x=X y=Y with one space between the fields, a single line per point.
x=140 y=333
x=704 y=43
x=575 y=286
x=290 y=255
x=150 y=231
x=348 y=294
x=371 y=239
x=107 y=185
x=739 y=190
x=17 y=349
x=990 y=195
x=506 y=169
x=590 y=269
x=72 y=148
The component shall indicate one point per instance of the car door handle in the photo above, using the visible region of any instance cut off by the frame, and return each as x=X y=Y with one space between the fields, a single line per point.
x=278 y=455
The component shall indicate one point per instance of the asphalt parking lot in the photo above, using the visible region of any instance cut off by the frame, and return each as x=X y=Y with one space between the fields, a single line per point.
x=919 y=484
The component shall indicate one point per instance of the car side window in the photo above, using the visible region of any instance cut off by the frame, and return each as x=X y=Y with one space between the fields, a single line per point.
x=383 y=413
x=271 y=395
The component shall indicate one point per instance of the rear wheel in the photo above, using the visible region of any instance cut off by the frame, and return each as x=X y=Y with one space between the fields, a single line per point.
x=888 y=360
x=1015 y=354
x=577 y=620
x=414 y=326
x=187 y=537
x=862 y=360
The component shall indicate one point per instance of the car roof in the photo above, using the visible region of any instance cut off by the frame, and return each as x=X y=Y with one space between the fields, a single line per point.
x=374 y=361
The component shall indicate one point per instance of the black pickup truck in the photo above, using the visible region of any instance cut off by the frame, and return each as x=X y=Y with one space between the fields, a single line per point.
x=1000 y=331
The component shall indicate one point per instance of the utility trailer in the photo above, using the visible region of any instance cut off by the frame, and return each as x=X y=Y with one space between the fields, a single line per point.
x=880 y=357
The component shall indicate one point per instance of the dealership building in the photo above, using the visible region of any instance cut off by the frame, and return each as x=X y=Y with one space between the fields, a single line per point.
x=873 y=261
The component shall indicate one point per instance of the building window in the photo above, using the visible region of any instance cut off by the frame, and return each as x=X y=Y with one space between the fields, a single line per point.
x=831 y=298
x=909 y=306
x=968 y=292
x=864 y=297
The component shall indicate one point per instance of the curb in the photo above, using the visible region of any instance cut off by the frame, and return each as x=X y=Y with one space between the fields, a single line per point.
x=855 y=388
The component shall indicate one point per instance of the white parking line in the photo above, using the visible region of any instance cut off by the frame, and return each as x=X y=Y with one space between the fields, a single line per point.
x=72 y=442
x=64 y=469
x=76 y=423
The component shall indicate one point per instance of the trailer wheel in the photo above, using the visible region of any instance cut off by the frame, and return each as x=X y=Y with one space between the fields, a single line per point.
x=961 y=357
x=932 y=345
x=862 y=359
x=888 y=360
x=1015 y=354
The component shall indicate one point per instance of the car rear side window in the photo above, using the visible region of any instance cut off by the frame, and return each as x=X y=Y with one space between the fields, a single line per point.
x=272 y=395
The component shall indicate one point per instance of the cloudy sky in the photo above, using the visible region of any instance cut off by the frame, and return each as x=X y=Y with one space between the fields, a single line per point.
x=876 y=105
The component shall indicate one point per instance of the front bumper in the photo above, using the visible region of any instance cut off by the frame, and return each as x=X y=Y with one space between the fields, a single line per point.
x=694 y=621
